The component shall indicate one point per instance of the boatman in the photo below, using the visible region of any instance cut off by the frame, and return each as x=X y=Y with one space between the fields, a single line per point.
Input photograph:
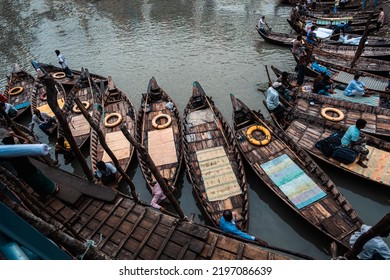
x=356 y=87
x=64 y=65
x=227 y=224
x=273 y=104
x=353 y=140
x=375 y=248
x=262 y=24
x=106 y=173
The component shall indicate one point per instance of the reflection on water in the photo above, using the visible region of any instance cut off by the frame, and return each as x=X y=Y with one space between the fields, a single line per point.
x=178 y=42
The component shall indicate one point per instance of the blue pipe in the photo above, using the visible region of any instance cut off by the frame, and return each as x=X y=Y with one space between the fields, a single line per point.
x=11 y=250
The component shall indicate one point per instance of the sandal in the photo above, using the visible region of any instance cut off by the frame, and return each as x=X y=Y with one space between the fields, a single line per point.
x=57 y=189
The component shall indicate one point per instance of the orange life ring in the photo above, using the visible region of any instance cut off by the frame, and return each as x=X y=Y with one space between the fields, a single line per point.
x=254 y=141
x=15 y=91
x=333 y=119
x=59 y=75
x=113 y=124
x=161 y=126
x=76 y=108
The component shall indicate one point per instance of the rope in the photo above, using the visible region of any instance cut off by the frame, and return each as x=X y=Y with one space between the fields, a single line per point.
x=90 y=243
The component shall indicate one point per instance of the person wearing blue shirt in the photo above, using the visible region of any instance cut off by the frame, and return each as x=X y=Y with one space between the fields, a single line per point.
x=355 y=87
x=227 y=225
x=311 y=37
x=375 y=248
x=353 y=140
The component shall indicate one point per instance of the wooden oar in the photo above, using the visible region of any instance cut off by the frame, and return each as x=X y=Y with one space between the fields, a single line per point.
x=217 y=122
x=143 y=119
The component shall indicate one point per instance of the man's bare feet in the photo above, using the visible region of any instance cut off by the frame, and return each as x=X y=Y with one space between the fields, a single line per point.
x=361 y=164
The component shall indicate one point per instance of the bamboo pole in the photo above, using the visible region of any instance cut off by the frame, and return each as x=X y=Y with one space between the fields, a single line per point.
x=103 y=142
x=156 y=173
x=362 y=41
x=52 y=101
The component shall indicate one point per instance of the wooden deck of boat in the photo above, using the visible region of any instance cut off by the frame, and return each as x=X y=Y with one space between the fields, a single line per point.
x=124 y=230
x=306 y=135
x=115 y=101
x=378 y=119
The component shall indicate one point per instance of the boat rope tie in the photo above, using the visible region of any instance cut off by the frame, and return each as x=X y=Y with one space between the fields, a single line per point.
x=90 y=243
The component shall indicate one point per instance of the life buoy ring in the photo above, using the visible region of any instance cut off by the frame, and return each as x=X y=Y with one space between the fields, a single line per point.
x=59 y=75
x=161 y=126
x=15 y=91
x=43 y=96
x=254 y=141
x=333 y=119
x=76 y=108
x=113 y=124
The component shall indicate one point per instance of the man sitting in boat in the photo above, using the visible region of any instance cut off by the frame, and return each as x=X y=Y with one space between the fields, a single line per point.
x=227 y=224
x=375 y=248
x=44 y=121
x=356 y=87
x=106 y=174
x=9 y=109
x=323 y=86
x=262 y=24
x=273 y=104
x=353 y=140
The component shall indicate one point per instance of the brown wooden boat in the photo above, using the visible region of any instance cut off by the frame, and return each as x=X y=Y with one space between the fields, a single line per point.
x=213 y=160
x=116 y=110
x=159 y=131
x=293 y=175
x=370 y=65
x=298 y=26
x=376 y=98
x=18 y=90
x=306 y=132
x=323 y=22
x=39 y=100
x=284 y=39
x=89 y=94
x=82 y=212
x=343 y=75
x=378 y=119
x=348 y=52
x=59 y=74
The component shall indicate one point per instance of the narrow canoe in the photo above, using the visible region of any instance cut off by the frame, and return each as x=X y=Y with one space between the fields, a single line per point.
x=294 y=176
x=18 y=91
x=116 y=110
x=88 y=93
x=214 y=164
x=158 y=129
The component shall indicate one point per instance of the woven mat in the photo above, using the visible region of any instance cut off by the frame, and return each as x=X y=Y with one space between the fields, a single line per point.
x=300 y=189
x=200 y=117
x=378 y=166
x=118 y=144
x=46 y=108
x=161 y=146
x=218 y=176
x=373 y=100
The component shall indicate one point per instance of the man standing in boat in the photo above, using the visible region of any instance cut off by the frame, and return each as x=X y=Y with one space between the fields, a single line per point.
x=64 y=65
x=262 y=24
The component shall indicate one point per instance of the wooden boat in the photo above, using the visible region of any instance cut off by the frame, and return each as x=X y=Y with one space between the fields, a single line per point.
x=293 y=175
x=18 y=90
x=121 y=228
x=39 y=100
x=378 y=119
x=321 y=22
x=374 y=66
x=375 y=99
x=306 y=133
x=284 y=39
x=89 y=94
x=346 y=15
x=343 y=75
x=348 y=52
x=298 y=27
x=59 y=74
x=159 y=131
x=116 y=110
x=213 y=160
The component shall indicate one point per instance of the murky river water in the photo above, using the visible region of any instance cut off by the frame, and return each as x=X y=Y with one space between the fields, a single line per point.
x=178 y=42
